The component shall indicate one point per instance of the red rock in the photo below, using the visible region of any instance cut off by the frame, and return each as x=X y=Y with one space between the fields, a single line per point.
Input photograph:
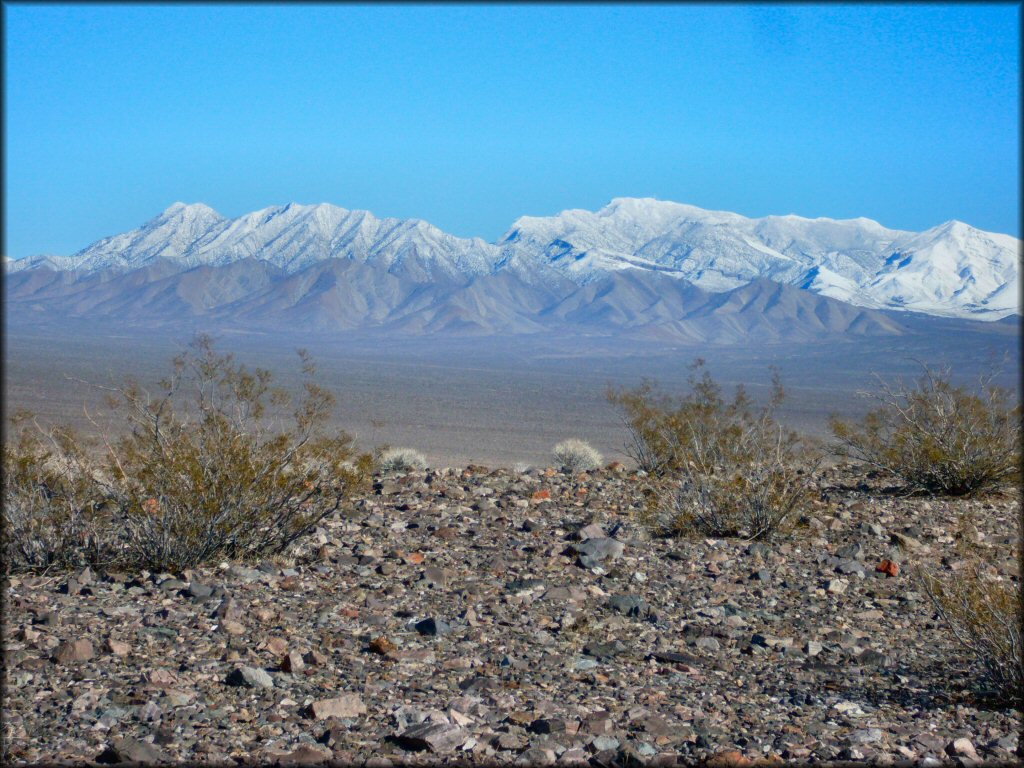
x=888 y=567
x=414 y=558
x=436 y=737
x=315 y=658
x=350 y=613
x=232 y=627
x=542 y=495
x=961 y=748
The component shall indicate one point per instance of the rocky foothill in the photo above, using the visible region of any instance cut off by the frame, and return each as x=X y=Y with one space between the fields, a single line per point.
x=492 y=616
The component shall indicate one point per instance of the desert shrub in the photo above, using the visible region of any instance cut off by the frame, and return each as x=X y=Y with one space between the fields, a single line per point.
x=651 y=420
x=983 y=612
x=726 y=468
x=218 y=463
x=401 y=460
x=936 y=437
x=54 y=515
x=576 y=456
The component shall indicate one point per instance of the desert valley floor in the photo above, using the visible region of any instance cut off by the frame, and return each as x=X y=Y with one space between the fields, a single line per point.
x=497 y=401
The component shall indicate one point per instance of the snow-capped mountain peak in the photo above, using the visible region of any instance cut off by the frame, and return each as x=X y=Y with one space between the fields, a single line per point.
x=952 y=269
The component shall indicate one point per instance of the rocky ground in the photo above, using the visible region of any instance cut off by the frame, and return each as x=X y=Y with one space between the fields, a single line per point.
x=477 y=616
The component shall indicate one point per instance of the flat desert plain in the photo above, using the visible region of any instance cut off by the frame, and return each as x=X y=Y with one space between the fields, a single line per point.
x=499 y=401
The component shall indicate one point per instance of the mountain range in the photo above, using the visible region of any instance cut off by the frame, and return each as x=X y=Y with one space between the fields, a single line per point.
x=637 y=266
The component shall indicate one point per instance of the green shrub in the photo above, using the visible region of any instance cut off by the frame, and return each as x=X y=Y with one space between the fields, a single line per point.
x=730 y=469
x=938 y=438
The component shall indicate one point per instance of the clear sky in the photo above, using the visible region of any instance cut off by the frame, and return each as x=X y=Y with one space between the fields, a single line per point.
x=472 y=115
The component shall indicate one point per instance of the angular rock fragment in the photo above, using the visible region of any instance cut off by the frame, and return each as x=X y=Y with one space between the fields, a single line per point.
x=433 y=627
x=306 y=754
x=74 y=650
x=348 y=705
x=129 y=750
x=630 y=605
x=249 y=677
x=439 y=738
x=293 y=663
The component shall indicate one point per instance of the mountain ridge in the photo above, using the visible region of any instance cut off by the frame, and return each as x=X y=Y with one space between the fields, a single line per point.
x=336 y=268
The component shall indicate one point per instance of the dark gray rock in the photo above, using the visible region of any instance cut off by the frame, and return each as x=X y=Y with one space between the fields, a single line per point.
x=199 y=591
x=433 y=627
x=853 y=551
x=630 y=605
x=603 y=651
x=522 y=586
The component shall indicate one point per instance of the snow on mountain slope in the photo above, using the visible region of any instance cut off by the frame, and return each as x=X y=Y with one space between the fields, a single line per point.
x=953 y=269
x=952 y=265
x=291 y=236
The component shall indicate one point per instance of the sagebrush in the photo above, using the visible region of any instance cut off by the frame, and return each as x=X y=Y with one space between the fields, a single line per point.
x=937 y=437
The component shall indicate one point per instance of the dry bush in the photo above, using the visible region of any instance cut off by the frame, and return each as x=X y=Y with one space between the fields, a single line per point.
x=651 y=419
x=983 y=612
x=219 y=463
x=938 y=438
x=54 y=516
x=574 y=455
x=734 y=471
x=216 y=463
x=401 y=460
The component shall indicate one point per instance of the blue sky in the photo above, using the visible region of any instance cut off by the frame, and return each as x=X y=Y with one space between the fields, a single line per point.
x=472 y=115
